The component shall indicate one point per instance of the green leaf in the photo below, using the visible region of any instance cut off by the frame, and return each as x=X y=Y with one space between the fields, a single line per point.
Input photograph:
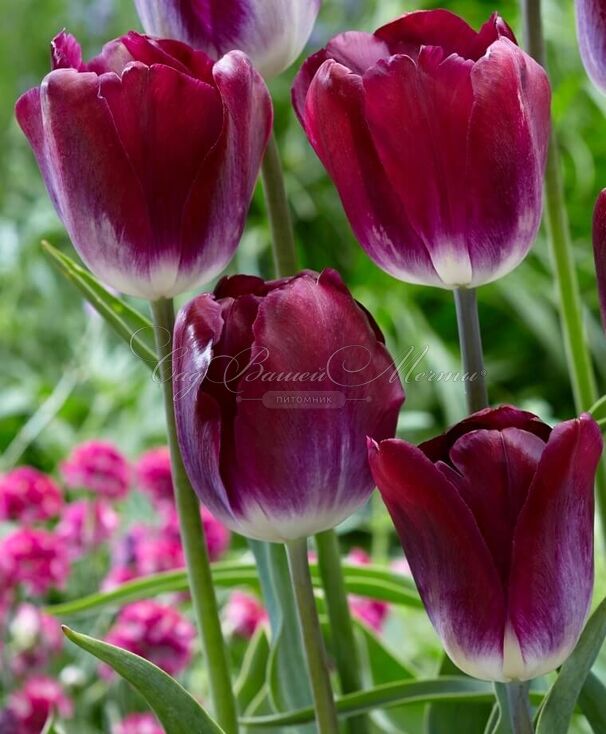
x=287 y=681
x=252 y=672
x=472 y=719
x=598 y=409
x=592 y=702
x=136 y=330
x=368 y=581
x=178 y=712
x=560 y=703
x=392 y=694
x=51 y=726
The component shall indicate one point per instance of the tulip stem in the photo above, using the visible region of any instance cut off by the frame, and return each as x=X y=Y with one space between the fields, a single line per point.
x=317 y=664
x=578 y=355
x=514 y=706
x=280 y=222
x=342 y=635
x=470 y=339
x=192 y=535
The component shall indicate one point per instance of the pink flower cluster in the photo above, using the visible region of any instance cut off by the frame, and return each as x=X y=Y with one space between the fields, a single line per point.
x=33 y=639
x=29 y=496
x=99 y=467
x=139 y=724
x=36 y=559
x=243 y=614
x=85 y=525
x=154 y=476
x=156 y=632
x=29 y=708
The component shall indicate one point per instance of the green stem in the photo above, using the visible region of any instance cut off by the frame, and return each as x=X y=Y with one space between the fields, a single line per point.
x=470 y=339
x=282 y=233
x=192 y=535
x=315 y=652
x=578 y=356
x=514 y=707
x=343 y=640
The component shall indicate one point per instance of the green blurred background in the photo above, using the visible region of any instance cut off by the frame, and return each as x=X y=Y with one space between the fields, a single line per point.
x=64 y=377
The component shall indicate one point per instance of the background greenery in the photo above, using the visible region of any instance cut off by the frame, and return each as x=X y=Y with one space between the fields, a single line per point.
x=65 y=378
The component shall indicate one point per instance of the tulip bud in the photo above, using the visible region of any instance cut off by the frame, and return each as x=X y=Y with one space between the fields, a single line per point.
x=591 y=28
x=154 y=201
x=496 y=521
x=599 y=249
x=436 y=138
x=271 y=32
x=276 y=386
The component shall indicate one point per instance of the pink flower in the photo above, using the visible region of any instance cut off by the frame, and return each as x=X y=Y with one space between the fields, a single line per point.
x=156 y=632
x=371 y=612
x=217 y=535
x=32 y=705
x=242 y=615
x=86 y=525
x=35 y=558
x=99 y=467
x=154 y=476
x=34 y=639
x=139 y=724
x=28 y=495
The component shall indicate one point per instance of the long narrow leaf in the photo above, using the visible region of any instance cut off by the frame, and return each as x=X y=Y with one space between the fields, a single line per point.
x=178 y=712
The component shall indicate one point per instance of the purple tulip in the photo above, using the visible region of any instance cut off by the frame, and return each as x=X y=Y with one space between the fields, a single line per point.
x=436 y=137
x=150 y=153
x=496 y=521
x=277 y=385
x=272 y=32
x=591 y=27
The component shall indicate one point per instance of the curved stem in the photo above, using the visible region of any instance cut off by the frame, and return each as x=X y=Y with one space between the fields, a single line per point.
x=578 y=356
x=315 y=652
x=470 y=339
x=343 y=640
x=282 y=234
x=192 y=536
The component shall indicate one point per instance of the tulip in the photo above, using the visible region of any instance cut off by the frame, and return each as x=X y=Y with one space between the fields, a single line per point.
x=436 y=138
x=496 y=521
x=599 y=250
x=276 y=386
x=271 y=32
x=154 y=200
x=591 y=28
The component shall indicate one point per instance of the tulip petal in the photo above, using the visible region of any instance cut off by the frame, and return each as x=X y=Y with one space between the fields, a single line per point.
x=220 y=196
x=88 y=157
x=272 y=32
x=505 y=416
x=425 y=157
x=599 y=250
x=551 y=577
x=591 y=27
x=504 y=461
x=335 y=123
x=197 y=329
x=166 y=158
x=450 y=561
x=506 y=157
x=314 y=472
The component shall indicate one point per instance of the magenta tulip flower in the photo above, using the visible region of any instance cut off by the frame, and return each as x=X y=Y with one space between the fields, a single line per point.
x=150 y=153
x=436 y=137
x=591 y=27
x=272 y=32
x=496 y=521
x=277 y=384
